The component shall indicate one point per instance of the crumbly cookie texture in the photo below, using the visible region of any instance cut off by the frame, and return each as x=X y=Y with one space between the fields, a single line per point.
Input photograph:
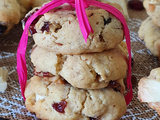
x=12 y=11
x=63 y=102
x=58 y=30
x=151 y=36
x=148 y=89
x=153 y=9
x=90 y=71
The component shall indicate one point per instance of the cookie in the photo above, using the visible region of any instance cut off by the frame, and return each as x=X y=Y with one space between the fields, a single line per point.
x=148 y=89
x=9 y=16
x=91 y=71
x=56 y=101
x=12 y=11
x=58 y=30
x=153 y=9
x=151 y=36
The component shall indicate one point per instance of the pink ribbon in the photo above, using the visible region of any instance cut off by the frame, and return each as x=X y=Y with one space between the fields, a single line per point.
x=85 y=27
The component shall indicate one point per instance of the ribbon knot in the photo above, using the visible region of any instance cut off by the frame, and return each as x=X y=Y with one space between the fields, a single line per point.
x=73 y=2
x=85 y=27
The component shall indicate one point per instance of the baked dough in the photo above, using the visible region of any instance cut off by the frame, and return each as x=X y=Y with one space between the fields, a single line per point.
x=58 y=30
x=55 y=101
x=151 y=36
x=91 y=71
x=12 y=11
x=153 y=9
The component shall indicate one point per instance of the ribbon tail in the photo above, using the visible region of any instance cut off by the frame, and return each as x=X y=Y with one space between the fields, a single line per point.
x=82 y=18
x=121 y=18
x=22 y=71
x=21 y=62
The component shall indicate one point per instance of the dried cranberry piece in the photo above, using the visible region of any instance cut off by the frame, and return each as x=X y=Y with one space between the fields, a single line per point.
x=59 y=107
x=115 y=86
x=32 y=29
x=136 y=4
x=2 y=29
x=107 y=21
x=28 y=16
x=42 y=74
x=45 y=27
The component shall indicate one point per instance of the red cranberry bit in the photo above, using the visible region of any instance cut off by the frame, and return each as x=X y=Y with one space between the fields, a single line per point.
x=59 y=107
x=45 y=27
x=59 y=44
x=136 y=4
x=32 y=29
x=42 y=74
x=27 y=17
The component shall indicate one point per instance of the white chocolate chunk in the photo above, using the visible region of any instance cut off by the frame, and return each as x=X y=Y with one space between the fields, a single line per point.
x=38 y=97
x=3 y=79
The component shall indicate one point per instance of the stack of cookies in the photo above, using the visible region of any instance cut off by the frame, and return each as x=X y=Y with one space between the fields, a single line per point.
x=74 y=80
x=150 y=28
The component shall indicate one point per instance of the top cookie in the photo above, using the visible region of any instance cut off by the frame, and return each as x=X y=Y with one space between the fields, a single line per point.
x=58 y=30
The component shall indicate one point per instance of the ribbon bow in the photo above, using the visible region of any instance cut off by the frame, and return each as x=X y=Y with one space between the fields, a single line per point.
x=85 y=27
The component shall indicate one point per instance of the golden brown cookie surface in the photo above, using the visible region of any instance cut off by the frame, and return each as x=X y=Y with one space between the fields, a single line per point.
x=90 y=71
x=44 y=97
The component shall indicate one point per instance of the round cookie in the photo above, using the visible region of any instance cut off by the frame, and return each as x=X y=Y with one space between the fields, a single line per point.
x=55 y=101
x=12 y=11
x=148 y=89
x=153 y=10
x=151 y=36
x=58 y=30
x=9 y=16
x=91 y=71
